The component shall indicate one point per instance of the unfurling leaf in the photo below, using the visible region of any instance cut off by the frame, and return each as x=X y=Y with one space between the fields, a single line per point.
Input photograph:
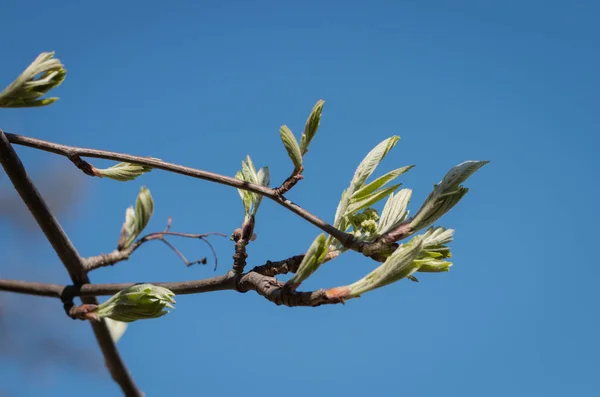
x=27 y=90
x=311 y=261
x=291 y=146
x=371 y=161
x=445 y=195
x=311 y=127
x=394 y=211
x=398 y=265
x=381 y=181
x=123 y=171
x=248 y=173
x=116 y=329
x=136 y=219
x=357 y=204
x=144 y=207
x=138 y=302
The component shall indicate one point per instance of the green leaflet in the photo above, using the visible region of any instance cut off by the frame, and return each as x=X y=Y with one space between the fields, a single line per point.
x=381 y=181
x=250 y=200
x=371 y=161
x=446 y=194
x=311 y=261
x=311 y=127
x=364 y=202
x=394 y=211
x=137 y=219
x=291 y=146
x=398 y=265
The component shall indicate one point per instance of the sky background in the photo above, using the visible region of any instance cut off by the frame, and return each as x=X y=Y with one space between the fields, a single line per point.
x=205 y=83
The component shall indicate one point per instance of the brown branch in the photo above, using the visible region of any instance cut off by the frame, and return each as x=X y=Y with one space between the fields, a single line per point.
x=276 y=292
x=68 y=255
x=212 y=284
x=289 y=265
x=70 y=152
x=266 y=286
x=271 y=269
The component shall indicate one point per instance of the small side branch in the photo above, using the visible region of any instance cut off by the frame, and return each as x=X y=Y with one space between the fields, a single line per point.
x=289 y=183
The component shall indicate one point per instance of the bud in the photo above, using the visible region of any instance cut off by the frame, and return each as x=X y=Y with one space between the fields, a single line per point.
x=136 y=219
x=138 y=302
x=123 y=171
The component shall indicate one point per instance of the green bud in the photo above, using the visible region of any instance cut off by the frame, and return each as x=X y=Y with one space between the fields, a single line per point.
x=136 y=219
x=248 y=173
x=311 y=127
x=138 y=302
x=123 y=171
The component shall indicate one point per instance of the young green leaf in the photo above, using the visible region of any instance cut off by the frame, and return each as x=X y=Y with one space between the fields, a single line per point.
x=371 y=161
x=311 y=127
x=379 y=182
x=262 y=178
x=394 y=212
x=398 y=265
x=144 y=207
x=291 y=146
x=445 y=195
x=357 y=204
x=123 y=171
x=27 y=90
x=311 y=261
x=245 y=195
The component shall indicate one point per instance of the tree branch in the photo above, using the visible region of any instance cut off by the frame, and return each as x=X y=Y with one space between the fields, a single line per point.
x=73 y=152
x=67 y=254
x=266 y=286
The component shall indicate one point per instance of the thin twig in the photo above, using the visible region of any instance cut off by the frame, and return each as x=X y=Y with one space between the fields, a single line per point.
x=122 y=254
x=68 y=255
x=183 y=258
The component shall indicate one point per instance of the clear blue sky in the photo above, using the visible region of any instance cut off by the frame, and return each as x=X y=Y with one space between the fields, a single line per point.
x=205 y=83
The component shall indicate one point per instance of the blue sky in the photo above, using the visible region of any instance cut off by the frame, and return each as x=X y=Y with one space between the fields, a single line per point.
x=203 y=84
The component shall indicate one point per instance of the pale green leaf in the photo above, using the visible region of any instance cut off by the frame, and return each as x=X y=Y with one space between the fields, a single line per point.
x=371 y=161
x=311 y=261
x=291 y=146
x=311 y=127
x=245 y=195
x=144 y=207
x=394 y=212
x=123 y=171
x=379 y=182
x=459 y=174
x=366 y=201
x=44 y=74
